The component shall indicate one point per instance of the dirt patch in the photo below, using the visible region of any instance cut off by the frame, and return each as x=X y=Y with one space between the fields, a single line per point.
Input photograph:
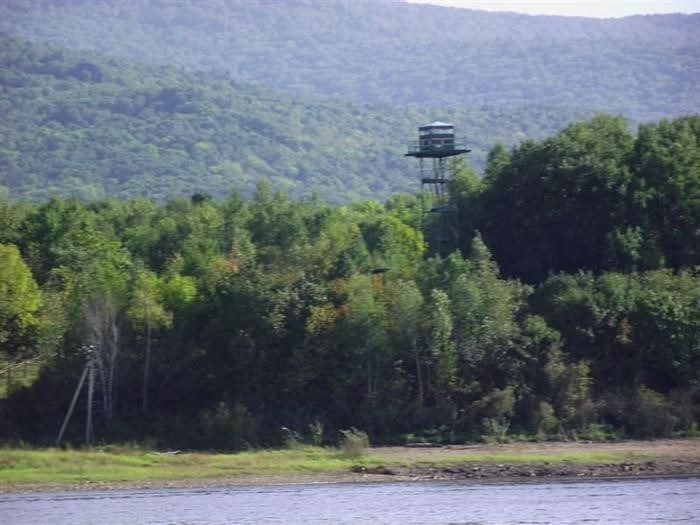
x=667 y=458
x=661 y=448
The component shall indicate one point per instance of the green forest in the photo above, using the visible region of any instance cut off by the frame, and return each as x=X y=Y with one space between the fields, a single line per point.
x=82 y=125
x=162 y=99
x=570 y=311
x=394 y=53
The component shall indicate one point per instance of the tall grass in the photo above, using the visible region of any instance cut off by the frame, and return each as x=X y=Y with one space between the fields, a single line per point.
x=115 y=464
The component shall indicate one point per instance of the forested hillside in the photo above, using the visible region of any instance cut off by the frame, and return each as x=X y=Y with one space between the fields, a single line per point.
x=644 y=67
x=83 y=125
x=218 y=322
x=159 y=99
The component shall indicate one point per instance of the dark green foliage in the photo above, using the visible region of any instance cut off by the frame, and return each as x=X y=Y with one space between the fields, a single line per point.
x=553 y=204
x=230 y=319
x=595 y=197
x=221 y=321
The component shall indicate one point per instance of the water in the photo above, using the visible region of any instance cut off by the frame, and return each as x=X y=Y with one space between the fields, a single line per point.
x=617 y=502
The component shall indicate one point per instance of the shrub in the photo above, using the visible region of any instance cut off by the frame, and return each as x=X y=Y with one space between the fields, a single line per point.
x=227 y=429
x=494 y=429
x=642 y=412
x=546 y=422
x=650 y=415
x=353 y=443
x=316 y=433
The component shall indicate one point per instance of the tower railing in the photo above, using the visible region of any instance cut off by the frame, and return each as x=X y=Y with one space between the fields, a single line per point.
x=433 y=146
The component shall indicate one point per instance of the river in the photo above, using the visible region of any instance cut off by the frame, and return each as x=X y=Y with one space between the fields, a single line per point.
x=658 y=501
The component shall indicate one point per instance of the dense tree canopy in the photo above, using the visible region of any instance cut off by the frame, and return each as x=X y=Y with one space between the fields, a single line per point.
x=645 y=67
x=218 y=321
x=595 y=197
x=82 y=125
x=181 y=196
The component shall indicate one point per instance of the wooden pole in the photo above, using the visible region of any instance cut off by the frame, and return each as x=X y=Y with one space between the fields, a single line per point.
x=91 y=386
x=72 y=405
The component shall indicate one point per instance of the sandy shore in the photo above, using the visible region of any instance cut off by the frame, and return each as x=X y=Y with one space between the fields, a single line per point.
x=644 y=459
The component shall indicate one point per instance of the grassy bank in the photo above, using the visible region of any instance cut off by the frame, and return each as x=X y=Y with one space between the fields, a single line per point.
x=114 y=464
x=57 y=467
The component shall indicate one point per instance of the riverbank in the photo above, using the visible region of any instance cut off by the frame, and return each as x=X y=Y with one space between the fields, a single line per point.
x=34 y=470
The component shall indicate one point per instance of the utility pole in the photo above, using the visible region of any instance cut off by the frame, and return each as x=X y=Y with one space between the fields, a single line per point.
x=89 y=432
x=89 y=370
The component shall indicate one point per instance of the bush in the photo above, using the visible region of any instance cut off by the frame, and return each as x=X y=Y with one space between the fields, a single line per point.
x=599 y=432
x=227 y=429
x=650 y=415
x=316 y=433
x=494 y=429
x=642 y=412
x=546 y=422
x=353 y=443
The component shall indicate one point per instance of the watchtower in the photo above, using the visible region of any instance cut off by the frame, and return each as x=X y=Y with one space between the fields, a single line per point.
x=437 y=142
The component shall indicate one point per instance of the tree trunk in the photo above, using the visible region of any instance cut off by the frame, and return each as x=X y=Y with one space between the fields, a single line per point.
x=146 y=367
x=103 y=333
x=419 y=375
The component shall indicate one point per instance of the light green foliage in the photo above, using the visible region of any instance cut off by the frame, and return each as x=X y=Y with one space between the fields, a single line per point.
x=497 y=160
x=179 y=292
x=20 y=301
x=440 y=344
x=546 y=421
x=316 y=433
x=147 y=313
x=365 y=330
x=666 y=326
x=19 y=294
x=485 y=310
x=405 y=327
x=354 y=443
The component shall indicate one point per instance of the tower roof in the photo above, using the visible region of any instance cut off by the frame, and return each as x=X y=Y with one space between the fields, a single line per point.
x=437 y=124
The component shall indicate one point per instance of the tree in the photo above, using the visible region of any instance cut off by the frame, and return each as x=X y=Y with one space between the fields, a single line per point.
x=20 y=300
x=440 y=345
x=92 y=269
x=102 y=333
x=485 y=309
x=665 y=192
x=146 y=310
x=365 y=329
x=405 y=326
x=554 y=205
x=466 y=190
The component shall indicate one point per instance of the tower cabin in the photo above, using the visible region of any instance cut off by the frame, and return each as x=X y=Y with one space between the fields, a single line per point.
x=436 y=140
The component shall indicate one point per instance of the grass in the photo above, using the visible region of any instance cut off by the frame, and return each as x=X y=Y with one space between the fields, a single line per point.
x=57 y=466
x=524 y=458
x=112 y=464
